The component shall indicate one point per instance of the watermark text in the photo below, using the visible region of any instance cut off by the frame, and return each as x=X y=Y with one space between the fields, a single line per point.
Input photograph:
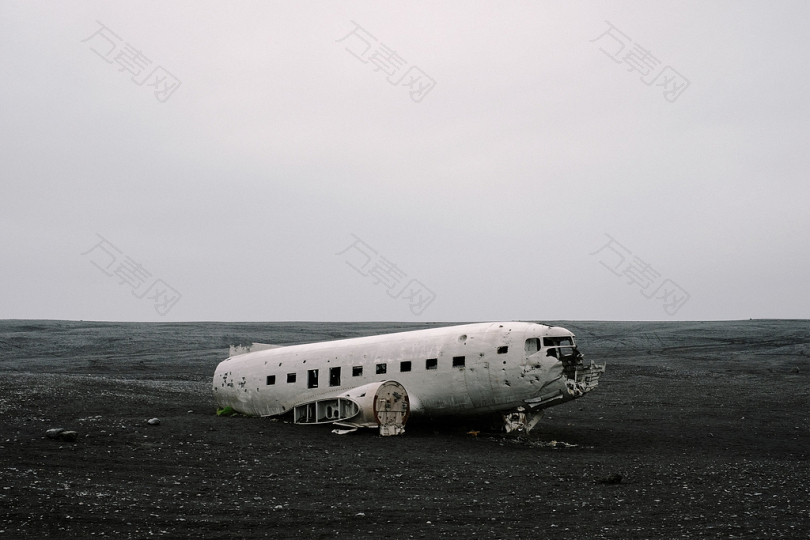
x=113 y=263
x=613 y=42
x=368 y=263
x=363 y=46
x=615 y=257
x=107 y=45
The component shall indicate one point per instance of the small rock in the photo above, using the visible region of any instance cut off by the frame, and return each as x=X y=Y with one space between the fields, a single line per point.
x=68 y=436
x=153 y=421
x=614 y=478
x=54 y=433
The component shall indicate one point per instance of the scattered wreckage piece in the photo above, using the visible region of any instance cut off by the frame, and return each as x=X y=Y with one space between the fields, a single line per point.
x=521 y=421
x=554 y=444
x=516 y=369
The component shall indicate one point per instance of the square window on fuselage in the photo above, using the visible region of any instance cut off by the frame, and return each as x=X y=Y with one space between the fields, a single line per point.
x=459 y=361
x=382 y=368
x=290 y=377
x=357 y=371
x=432 y=363
x=405 y=366
x=271 y=379
x=334 y=376
x=503 y=350
x=312 y=378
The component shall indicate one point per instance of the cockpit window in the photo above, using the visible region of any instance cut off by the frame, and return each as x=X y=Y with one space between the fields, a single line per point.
x=532 y=346
x=559 y=347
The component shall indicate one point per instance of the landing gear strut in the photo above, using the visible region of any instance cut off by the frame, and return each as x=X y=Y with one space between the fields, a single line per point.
x=521 y=421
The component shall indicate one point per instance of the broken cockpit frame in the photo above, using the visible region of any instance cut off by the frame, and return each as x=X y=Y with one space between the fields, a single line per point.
x=567 y=376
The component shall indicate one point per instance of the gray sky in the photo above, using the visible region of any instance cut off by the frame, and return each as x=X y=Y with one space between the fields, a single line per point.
x=487 y=161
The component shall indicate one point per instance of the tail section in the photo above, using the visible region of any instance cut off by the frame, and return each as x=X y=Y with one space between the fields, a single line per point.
x=253 y=347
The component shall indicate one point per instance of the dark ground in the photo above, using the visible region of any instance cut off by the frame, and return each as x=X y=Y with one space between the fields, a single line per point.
x=706 y=422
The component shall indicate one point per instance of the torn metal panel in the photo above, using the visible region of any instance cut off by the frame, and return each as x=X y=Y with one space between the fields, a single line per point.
x=344 y=431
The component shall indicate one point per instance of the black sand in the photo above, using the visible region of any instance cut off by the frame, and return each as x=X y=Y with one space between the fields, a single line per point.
x=707 y=423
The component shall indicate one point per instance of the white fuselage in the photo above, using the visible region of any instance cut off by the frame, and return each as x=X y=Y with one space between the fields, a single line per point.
x=458 y=370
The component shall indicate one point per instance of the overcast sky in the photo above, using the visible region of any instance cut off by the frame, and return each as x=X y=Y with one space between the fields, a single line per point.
x=171 y=161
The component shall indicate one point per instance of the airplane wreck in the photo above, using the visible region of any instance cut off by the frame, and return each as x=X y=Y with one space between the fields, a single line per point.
x=516 y=369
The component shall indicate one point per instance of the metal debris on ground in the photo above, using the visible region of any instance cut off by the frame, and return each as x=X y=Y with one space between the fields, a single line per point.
x=553 y=444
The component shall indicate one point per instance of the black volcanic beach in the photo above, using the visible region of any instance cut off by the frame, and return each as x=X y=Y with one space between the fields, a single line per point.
x=706 y=422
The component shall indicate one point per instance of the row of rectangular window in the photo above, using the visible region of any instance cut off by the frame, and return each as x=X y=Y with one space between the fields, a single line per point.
x=357 y=371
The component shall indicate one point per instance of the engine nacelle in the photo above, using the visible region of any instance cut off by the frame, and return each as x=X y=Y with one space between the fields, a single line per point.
x=379 y=404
